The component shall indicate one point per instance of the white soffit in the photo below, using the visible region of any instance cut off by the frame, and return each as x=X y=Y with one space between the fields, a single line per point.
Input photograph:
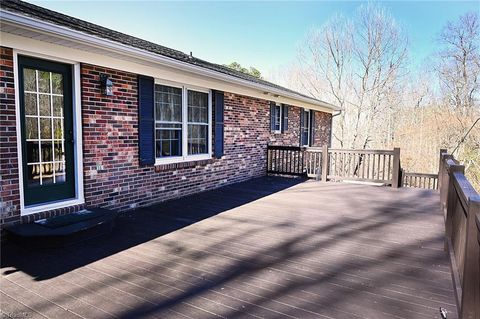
x=46 y=32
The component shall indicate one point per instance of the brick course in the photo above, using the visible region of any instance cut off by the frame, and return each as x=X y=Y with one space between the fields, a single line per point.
x=112 y=175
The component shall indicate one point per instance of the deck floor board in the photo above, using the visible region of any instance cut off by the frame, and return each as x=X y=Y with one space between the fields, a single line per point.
x=267 y=248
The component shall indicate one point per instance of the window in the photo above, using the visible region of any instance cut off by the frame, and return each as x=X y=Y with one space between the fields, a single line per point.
x=182 y=123
x=197 y=122
x=277 y=118
x=305 y=128
x=168 y=121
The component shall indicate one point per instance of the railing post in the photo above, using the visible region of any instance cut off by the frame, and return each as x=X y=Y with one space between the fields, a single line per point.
x=268 y=160
x=396 y=168
x=325 y=163
x=444 y=184
x=440 y=167
x=470 y=308
x=451 y=201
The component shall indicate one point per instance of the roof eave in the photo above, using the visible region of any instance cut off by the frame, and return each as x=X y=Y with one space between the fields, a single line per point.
x=81 y=37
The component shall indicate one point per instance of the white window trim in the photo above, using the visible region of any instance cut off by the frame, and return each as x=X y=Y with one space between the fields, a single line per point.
x=77 y=128
x=185 y=157
x=279 y=131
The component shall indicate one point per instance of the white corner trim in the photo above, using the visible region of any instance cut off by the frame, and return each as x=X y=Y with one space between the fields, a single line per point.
x=81 y=37
x=77 y=123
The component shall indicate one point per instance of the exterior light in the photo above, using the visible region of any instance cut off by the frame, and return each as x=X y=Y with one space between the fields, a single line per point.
x=106 y=85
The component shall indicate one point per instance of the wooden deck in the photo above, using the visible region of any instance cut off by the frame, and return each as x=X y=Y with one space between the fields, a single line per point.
x=267 y=248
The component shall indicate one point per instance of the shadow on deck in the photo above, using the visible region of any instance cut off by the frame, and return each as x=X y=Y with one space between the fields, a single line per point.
x=270 y=247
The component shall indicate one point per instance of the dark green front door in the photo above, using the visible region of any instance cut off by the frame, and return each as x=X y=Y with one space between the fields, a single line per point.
x=45 y=89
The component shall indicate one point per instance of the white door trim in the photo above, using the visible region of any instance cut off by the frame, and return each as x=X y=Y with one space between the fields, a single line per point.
x=77 y=125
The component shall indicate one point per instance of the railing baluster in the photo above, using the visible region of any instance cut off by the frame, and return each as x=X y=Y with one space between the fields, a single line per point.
x=383 y=169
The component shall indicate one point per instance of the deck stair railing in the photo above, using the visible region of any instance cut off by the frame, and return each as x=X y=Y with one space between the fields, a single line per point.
x=461 y=206
x=420 y=180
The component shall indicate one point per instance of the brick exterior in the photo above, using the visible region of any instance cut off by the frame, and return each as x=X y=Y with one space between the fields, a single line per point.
x=9 y=184
x=323 y=126
x=112 y=175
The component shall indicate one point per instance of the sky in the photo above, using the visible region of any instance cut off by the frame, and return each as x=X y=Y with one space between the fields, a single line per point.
x=265 y=35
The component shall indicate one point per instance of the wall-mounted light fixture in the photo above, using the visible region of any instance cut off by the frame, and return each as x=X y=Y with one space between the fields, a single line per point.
x=106 y=84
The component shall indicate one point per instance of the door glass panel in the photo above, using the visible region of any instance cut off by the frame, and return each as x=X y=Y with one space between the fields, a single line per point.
x=59 y=172
x=57 y=105
x=31 y=126
x=47 y=174
x=33 y=152
x=44 y=82
x=30 y=80
x=45 y=107
x=47 y=151
x=57 y=83
x=33 y=174
x=31 y=104
x=57 y=129
x=58 y=151
x=44 y=127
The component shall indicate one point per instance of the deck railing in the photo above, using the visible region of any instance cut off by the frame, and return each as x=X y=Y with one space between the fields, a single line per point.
x=420 y=180
x=285 y=160
x=461 y=206
x=379 y=166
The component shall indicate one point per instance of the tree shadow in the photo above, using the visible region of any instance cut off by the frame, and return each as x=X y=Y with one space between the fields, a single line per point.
x=132 y=228
x=377 y=255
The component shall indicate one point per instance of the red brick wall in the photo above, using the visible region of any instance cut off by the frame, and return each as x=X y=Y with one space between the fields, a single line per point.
x=112 y=176
x=9 y=191
x=323 y=125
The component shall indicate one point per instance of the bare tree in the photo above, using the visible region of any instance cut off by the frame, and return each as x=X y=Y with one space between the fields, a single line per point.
x=360 y=61
x=359 y=65
x=459 y=61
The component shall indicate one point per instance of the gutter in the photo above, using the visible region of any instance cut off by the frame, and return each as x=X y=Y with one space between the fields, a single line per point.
x=83 y=38
x=331 y=125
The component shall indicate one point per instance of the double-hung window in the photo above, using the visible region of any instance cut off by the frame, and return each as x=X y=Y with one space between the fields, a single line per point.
x=305 y=128
x=277 y=118
x=182 y=123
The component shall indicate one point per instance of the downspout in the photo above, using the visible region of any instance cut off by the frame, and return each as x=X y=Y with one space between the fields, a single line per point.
x=331 y=126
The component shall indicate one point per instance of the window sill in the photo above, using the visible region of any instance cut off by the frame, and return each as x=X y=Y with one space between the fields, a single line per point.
x=176 y=163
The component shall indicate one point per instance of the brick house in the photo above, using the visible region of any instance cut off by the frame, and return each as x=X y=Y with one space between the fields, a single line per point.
x=93 y=117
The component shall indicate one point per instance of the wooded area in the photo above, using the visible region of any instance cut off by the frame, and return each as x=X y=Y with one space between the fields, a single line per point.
x=362 y=64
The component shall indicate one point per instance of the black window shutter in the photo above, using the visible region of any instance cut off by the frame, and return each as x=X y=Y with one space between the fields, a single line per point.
x=312 y=128
x=146 y=121
x=219 y=134
x=285 y=118
x=272 y=116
